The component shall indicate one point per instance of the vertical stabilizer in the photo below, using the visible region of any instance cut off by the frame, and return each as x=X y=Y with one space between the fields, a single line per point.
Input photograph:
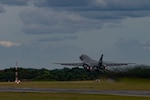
x=101 y=60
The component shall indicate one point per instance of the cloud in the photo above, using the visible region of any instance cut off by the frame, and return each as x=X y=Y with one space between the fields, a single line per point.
x=15 y=2
x=48 y=21
x=56 y=38
x=100 y=9
x=95 y=4
x=130 y=46
x=133 y=50
x=146 y=45
x=2 y=9
x=9 y=44
x=61 y=3
x=72 y=16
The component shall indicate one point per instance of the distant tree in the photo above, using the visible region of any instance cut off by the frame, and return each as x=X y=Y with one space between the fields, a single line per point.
x=71 y=74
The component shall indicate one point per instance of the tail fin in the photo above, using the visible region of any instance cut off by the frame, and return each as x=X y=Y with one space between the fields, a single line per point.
x=101 y=59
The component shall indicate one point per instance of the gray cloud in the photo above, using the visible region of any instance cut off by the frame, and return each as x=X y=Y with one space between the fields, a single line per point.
x=133 y=49
x=130 y=46
x=61 y=3
x=56 y=38
x=15 y=2
x=146 y=45
x=47 y=21
x=133 y=46
x=126 y=5
x=2 y=9
x=100 y=9
x=72 y=16
x=95 y=4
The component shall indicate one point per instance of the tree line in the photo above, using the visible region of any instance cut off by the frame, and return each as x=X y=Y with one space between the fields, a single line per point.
x=72 y=74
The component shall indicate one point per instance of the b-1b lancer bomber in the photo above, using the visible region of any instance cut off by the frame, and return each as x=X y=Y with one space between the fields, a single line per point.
x=93 y=65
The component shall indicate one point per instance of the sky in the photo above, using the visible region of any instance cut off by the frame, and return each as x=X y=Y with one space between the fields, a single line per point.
x=38 y=33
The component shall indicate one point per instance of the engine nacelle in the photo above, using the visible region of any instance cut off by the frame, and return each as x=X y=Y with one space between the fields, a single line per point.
x=88 y=68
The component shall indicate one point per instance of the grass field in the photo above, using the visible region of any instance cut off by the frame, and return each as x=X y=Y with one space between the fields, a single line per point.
x=123 y=84
x=104 y=84
x=65 y=96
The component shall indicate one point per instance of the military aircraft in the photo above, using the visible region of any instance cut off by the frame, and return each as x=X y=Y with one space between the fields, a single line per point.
x=93 y=65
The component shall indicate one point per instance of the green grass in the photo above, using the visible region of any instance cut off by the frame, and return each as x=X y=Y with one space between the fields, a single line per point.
x=123 y=84
x=65 y=96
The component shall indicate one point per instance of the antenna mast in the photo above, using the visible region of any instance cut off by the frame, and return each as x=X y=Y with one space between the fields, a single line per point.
x=16 y=74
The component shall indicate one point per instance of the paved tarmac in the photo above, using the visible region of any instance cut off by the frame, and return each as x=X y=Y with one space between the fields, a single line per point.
x=52 y=90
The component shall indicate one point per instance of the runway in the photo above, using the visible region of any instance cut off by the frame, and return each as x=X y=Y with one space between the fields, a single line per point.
x=52 y=90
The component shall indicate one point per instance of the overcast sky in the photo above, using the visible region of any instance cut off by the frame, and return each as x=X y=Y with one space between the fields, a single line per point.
x=36 y=33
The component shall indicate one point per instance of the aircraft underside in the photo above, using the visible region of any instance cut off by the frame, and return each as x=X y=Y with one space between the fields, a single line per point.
x=93 y=68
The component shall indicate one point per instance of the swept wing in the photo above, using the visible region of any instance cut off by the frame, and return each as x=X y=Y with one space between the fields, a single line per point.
x=70 y=64
x=115 y=64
